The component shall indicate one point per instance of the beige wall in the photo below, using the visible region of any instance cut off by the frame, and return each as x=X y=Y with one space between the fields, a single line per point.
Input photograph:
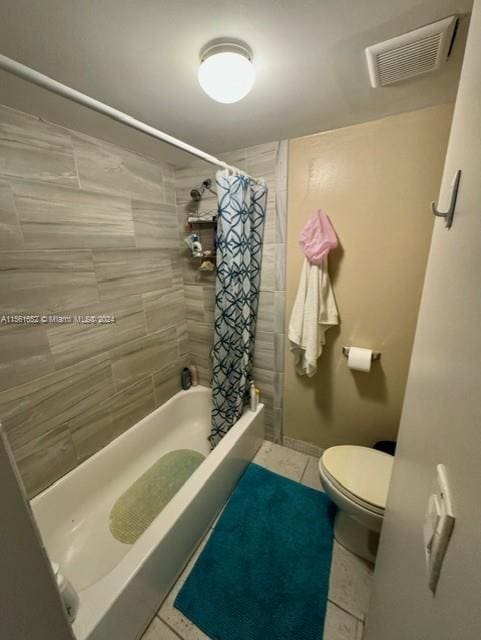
x=30 y=606
x=376 y=181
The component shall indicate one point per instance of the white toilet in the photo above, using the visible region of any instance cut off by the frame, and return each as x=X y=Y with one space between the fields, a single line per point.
x=357 y=481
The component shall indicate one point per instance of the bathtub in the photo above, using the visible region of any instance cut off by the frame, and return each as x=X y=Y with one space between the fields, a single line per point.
x=121 y=586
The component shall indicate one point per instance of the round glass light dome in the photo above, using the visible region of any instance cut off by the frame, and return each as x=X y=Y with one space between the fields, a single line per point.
x=226 y=72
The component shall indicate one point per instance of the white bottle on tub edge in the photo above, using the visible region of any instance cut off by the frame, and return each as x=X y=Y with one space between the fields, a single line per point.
x=253 y=396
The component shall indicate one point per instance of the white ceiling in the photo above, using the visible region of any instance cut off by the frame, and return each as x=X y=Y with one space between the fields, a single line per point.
x=141 y=56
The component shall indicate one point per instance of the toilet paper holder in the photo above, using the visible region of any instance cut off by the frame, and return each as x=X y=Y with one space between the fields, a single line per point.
x=376 y=355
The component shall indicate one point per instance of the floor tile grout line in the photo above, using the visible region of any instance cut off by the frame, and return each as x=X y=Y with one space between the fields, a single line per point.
x=168 y=626
x=305 y=469
x=353 y=615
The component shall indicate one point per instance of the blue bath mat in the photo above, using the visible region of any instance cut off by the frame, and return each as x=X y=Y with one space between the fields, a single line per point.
x=264 y=573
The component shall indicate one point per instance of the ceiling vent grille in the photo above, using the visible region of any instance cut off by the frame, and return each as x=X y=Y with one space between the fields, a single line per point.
x=410 y=54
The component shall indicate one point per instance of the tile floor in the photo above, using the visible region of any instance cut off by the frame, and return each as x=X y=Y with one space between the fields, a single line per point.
x=350 y=580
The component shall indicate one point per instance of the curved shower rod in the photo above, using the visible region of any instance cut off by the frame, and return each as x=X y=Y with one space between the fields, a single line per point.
x=35 y=77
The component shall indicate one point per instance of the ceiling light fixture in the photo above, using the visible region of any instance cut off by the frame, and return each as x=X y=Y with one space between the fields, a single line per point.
x=226 y=72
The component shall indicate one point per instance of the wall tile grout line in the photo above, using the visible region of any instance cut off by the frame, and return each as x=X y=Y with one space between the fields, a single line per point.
x=75 y=162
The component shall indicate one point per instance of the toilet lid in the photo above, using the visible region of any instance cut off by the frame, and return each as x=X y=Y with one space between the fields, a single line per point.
x=363 y=472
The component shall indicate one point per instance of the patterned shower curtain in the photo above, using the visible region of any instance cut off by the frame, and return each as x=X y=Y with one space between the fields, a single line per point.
x=240 y=228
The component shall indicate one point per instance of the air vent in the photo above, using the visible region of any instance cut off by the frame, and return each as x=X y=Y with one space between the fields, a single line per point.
x=410 y=54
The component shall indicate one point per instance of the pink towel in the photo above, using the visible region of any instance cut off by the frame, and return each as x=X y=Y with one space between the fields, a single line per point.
x=318 y=237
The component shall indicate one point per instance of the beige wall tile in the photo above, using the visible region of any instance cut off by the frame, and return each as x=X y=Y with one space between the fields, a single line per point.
x=46 y=281
x=280 y=267
x=33 y=149
x=131 y=405
x=165 y=389
x=164 y=309
x=265 y=312
x=94 y=429
x=25 y=354
x=268 y=275
x=194 y=302
x=155 y=225
x=56 y=380
x=264 y=350
x=191 y=177
x=144 y=356
x=36 y=407
x=70 y=343
x=105 y=167
x=166 y=381
x=110 y=243
x=261 y=163
x=270 y=225
x=10 y=231
x=208 y=291
x=281 y=216
x=201 y=339
x=46 y=459
x=131 y=271
x=56 y=217
x=183 y=339
x=268 y=161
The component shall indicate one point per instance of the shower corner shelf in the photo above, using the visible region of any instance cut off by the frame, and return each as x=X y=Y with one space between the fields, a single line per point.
x=210 y=226
x=202 y=221
x=203 y=259
x=208 y=256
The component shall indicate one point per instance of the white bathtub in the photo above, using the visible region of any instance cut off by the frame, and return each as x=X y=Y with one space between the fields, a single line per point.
x=121 y=586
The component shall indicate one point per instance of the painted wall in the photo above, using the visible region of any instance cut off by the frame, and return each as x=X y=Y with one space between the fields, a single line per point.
x=442 y=411
x=87 y=228
x=30 y=605
x=376 y=181
x=270 y=162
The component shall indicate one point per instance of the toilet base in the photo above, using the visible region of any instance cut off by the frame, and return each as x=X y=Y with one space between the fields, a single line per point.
x=355 y=537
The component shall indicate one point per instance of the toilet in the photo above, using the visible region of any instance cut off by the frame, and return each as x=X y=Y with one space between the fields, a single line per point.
x=357 y=480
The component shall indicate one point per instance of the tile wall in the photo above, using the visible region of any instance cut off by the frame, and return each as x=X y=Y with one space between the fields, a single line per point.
x=91 y=229
x=270 y=162
x=86 y=229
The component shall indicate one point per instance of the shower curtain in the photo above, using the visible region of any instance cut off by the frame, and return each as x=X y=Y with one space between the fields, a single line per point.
x=240 y=228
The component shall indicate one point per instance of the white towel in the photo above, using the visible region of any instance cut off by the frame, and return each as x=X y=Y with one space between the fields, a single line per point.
x=314 y=312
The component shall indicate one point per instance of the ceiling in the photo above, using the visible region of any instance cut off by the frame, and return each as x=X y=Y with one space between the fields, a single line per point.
x=141 y=56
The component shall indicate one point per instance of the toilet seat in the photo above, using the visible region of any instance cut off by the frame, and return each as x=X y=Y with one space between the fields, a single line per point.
x=378 y=511
x=362 y=475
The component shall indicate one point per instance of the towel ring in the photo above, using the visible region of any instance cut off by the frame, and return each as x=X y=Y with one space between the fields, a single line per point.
x=449 y=214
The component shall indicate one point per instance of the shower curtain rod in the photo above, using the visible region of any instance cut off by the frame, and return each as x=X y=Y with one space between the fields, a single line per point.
x=35 y=77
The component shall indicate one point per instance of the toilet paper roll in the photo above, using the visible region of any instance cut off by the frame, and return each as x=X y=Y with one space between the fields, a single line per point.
x=359 y=359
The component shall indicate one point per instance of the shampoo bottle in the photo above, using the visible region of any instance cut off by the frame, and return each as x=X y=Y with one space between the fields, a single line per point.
x=253 y=396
